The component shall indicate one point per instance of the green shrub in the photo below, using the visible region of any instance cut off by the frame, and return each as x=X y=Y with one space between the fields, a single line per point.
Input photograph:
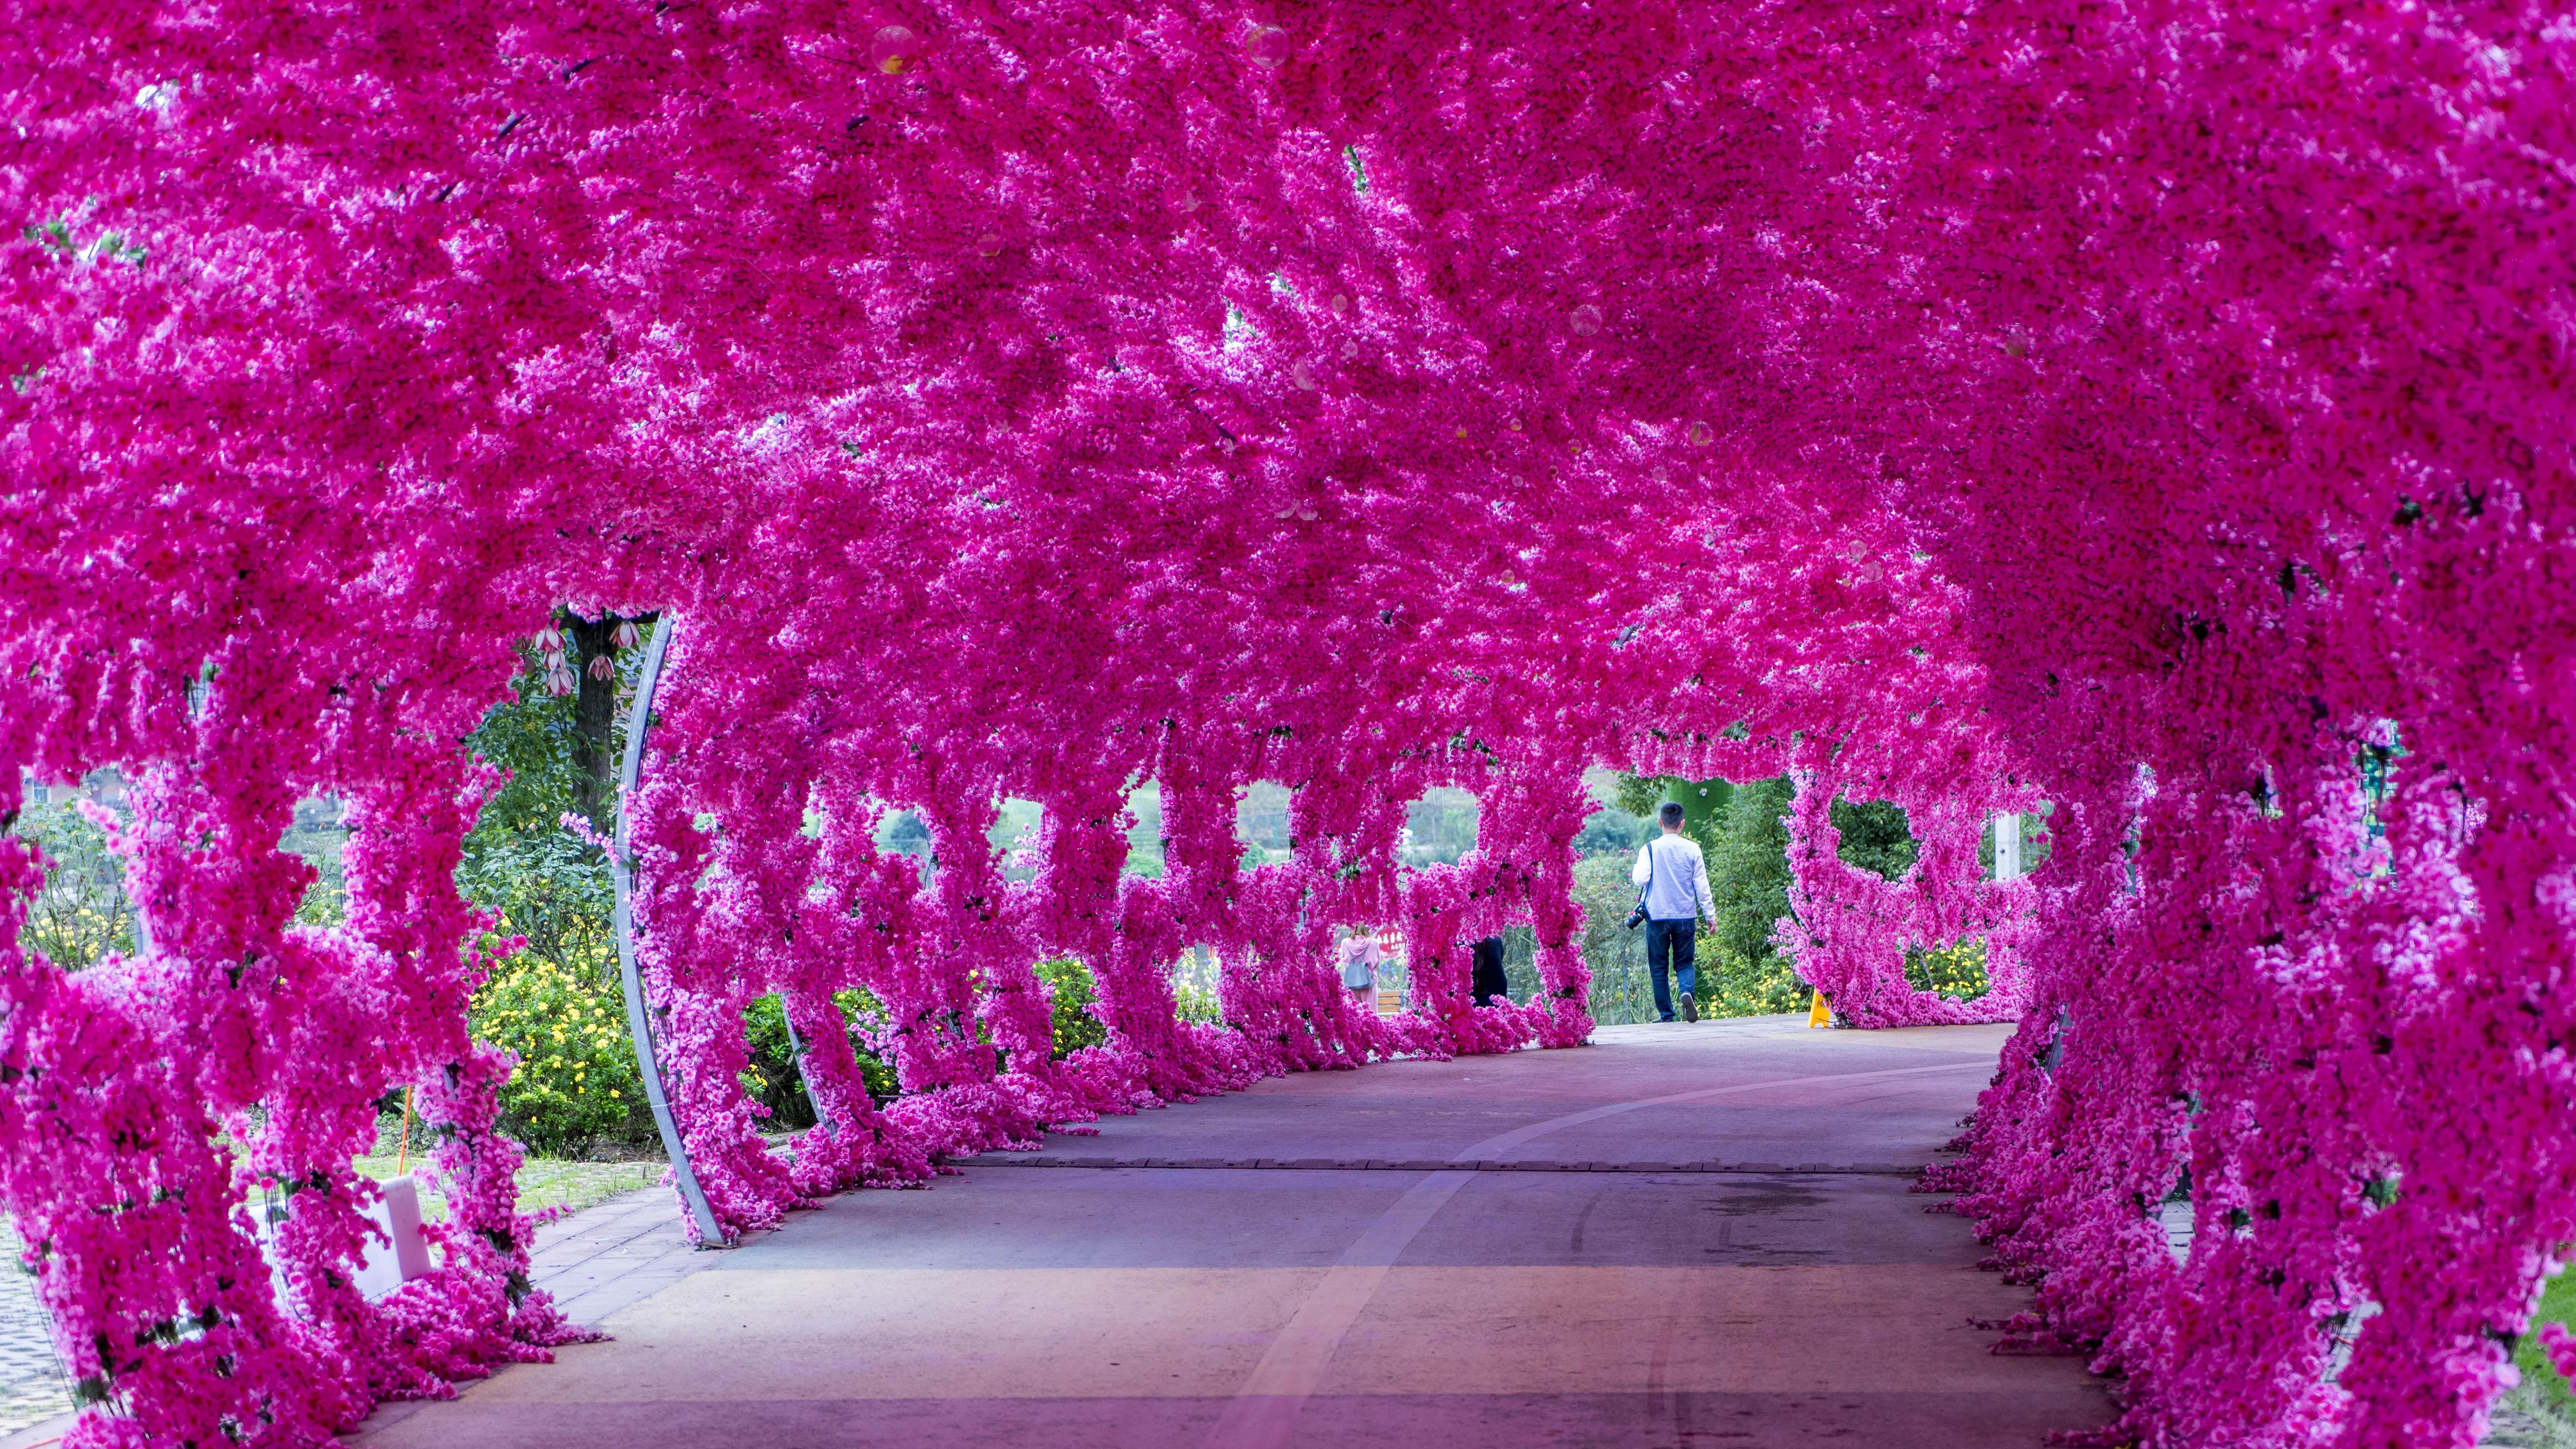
x=81 y=915
x=1957 y=971
x=1734 y=984
x=1195 y=1004
x=576 y=1080
x=551 y=889
x=777 y=1079
x=1615 y=955
x=556 y=1002
x=774 y=1077
x=2551 y=1392
x=321 y=837
x=1741 y=973
x=1075 y=1025
x=1875 y=836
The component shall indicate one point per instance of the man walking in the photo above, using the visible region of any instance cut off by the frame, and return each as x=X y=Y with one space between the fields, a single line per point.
x=1676 y=881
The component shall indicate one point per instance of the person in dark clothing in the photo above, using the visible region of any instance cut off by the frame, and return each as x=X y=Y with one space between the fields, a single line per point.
x=1488 y=982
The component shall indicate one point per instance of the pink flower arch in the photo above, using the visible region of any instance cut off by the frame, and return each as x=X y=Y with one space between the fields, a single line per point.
x=2141 y=408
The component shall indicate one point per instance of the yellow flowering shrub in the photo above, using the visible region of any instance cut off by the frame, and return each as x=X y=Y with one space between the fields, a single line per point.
x=1957 y=970
x=576 y=1079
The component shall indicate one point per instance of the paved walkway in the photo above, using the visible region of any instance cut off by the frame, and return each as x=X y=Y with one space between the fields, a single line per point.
x=1682 y=1236
x=33 y=1388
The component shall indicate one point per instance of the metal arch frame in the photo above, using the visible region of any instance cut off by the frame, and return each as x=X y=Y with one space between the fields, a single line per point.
x=796 y=1050
x=639 y=1021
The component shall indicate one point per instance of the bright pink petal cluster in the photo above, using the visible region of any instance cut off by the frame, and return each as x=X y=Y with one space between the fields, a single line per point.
x=2161 y=412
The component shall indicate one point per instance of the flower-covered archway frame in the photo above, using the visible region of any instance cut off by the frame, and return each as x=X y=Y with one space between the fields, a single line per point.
x=2146 y=410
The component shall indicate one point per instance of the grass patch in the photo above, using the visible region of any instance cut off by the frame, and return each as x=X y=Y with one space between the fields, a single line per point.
x=2550 y=1389
x=544 y=1182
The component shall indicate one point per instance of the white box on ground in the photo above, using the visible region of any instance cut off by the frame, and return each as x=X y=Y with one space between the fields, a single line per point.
x=398 y=1214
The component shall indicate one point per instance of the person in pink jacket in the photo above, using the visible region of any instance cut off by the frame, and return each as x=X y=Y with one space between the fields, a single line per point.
x=1361 y=958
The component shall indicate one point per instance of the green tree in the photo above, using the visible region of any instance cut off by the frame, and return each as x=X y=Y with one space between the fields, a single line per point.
x=1610 y=831
x=81 y=914
x=556 y=1003
x=1957 y=971
x=1070 y=983
x=1742 y=973
x=560 y=751
x=1875 y=836
x=776 y=1077
x=1703 y=802
x=1615 y=954
x=1741 y=833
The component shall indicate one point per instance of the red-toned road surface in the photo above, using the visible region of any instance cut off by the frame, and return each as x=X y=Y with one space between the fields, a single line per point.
x=1681 y=1236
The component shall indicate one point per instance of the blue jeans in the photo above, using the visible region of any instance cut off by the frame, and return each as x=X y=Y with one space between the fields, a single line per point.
x=1676 y=942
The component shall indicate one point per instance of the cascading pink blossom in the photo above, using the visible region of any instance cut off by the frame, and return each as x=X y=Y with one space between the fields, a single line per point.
x=1848 y=930
x=2146 y=408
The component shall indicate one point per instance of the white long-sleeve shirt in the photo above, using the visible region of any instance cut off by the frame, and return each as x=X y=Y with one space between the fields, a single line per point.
x=1679 y=889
